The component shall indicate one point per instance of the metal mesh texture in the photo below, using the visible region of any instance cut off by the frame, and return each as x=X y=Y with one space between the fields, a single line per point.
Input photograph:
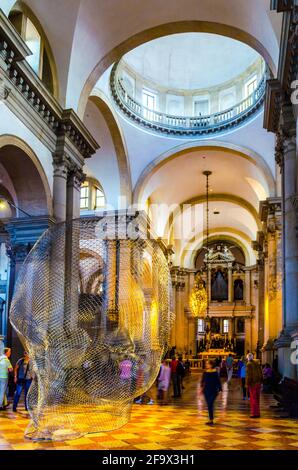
x=92 y=307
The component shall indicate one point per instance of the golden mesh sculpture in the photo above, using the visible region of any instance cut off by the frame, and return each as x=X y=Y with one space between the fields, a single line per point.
x=92 y=307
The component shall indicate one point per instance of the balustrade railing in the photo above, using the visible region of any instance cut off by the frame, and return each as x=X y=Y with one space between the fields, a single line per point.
x=192 y=125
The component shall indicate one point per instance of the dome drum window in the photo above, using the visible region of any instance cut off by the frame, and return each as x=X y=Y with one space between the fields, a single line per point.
x=40 y=60
x=92 y=196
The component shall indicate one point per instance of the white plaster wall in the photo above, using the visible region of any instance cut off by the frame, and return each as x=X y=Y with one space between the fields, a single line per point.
x=104 y=164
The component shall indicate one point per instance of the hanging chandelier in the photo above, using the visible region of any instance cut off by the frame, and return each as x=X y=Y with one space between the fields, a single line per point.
x=199 y=296
x=207 y=174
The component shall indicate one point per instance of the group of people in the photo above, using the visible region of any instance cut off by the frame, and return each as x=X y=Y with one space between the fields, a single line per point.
x=251 y=375
x=175 y=373
x=22 y=378
x=249 y=372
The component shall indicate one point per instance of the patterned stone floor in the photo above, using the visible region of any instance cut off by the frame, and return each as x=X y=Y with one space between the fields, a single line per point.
x=177 y=426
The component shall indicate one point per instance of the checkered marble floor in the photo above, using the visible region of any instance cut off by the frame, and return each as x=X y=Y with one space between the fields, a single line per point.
x=178 y=426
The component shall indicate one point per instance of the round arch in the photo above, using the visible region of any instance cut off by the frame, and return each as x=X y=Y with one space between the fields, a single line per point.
x=194 y=146
x=190 y=249
x=164 y=30
x=11 y=141
x=212 y=197
x=101 y=102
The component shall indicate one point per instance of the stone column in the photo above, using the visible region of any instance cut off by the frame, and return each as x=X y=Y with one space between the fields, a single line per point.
x=60 y=189
x=287 y=157
x=178 y=282
x=248 y=335
x=247 y=287
x=260 y=247
x=74 y=181
x=271 y=217
x=17 y=255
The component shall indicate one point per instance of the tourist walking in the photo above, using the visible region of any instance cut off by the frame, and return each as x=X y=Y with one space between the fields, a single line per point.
x=245 y=391
x=164 y=382
x=229 y=365
x=180 y=372
x=5 y=369
x=23 y=375
x=210 y=386
x=254 y=379
x=175 y=378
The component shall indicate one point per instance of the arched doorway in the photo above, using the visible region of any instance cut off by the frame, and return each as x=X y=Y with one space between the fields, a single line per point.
x=25 y=212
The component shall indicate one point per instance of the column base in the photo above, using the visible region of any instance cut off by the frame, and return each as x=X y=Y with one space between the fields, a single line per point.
x=287 y=345
x=268 y=351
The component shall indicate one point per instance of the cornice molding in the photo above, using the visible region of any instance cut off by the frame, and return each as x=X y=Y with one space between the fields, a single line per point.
x=279 y=89
x=272 y=104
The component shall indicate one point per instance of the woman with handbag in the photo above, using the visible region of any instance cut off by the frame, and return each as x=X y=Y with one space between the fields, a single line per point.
x=23 y=375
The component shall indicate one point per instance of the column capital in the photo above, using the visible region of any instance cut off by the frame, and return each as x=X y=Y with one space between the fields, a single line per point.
x=178 y=278
x=61 y=165
x=76 y=177
x=285 y=132
x=18 y=253
x=28 y=229
x=271 y=215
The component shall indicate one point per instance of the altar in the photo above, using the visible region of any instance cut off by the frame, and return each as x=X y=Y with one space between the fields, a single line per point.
x=214 y=353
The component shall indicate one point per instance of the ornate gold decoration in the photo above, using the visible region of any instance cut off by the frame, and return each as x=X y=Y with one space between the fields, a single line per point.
x=198 y=298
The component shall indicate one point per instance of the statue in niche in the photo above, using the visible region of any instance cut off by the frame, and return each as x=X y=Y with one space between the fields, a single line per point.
x=219 y=287
x=238 y=289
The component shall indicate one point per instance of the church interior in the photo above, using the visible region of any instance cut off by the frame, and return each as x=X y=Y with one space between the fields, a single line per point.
x=148 y=210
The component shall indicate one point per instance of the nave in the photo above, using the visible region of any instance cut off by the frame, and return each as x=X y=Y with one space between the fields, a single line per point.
x=178 y=426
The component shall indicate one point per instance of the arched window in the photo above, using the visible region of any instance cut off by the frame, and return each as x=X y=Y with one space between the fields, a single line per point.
x=92 y=196
x=41 y=60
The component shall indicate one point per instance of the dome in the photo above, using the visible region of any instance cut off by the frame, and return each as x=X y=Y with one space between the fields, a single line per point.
x=191 y=61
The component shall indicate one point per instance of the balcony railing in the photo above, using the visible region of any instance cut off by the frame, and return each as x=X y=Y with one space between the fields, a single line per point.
x=186 y=125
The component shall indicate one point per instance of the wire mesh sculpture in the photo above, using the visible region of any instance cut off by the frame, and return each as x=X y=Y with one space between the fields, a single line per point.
x=92 y=307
